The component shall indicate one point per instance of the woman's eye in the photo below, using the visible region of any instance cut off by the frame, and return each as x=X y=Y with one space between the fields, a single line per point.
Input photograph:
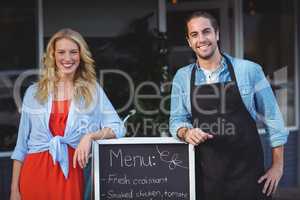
x=74 y=52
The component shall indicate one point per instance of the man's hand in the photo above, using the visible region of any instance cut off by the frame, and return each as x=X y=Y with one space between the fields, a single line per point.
x=194 y=136
x=274 y=174
x=272 y=177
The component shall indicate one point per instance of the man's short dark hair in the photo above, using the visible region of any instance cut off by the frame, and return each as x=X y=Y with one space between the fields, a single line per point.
x=203 y=14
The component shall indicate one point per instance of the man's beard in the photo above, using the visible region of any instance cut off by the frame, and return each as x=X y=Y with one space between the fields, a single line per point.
x=208 y=56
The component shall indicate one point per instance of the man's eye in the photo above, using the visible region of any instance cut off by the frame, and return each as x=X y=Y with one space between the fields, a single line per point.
x=206 y=31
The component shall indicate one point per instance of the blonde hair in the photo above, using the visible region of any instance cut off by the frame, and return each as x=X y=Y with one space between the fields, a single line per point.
x=85 y=75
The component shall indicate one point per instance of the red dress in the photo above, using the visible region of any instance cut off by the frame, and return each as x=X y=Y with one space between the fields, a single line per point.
x=40 y=179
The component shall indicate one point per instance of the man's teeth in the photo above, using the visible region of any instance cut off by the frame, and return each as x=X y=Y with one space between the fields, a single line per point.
x=203 y=46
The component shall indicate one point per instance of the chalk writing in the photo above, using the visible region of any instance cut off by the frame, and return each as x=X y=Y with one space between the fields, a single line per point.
x=124 y=160
x=173 y=160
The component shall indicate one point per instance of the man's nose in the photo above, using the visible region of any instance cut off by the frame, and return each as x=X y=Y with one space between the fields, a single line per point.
x=201 y=38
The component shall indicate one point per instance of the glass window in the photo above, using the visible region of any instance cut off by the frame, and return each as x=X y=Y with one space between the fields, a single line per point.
x=179 y=53
x=124 y=42
x=18 y=52
x=269 y=39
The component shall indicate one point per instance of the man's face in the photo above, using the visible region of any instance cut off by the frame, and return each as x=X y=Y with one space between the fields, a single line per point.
x=202 y=37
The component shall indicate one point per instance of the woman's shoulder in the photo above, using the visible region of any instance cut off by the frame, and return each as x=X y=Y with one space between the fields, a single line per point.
x=32 y=88
x=98 y=89
x=30 y=94
x=30 y=102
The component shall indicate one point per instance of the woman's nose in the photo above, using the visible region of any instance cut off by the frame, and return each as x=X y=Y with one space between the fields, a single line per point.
x=67 y=56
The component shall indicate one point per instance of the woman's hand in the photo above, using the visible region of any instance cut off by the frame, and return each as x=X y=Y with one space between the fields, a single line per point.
x=272 y=177
x=15 y=194
x=82 y=151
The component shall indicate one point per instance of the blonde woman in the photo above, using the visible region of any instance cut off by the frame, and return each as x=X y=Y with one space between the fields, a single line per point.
x=61 y=115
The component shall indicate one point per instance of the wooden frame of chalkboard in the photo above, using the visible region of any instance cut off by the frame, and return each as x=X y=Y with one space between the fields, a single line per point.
x=143 y=168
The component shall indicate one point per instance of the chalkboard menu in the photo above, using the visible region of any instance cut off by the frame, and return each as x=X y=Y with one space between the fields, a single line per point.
x=143 y=168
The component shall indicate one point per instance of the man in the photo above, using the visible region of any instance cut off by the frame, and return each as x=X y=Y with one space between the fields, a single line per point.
x=214 y=105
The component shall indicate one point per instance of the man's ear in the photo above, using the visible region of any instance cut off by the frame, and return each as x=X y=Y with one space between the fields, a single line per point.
x=188 y=41
x=217 y=35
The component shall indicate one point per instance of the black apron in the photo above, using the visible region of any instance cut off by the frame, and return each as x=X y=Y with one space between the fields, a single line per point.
x=228 y=166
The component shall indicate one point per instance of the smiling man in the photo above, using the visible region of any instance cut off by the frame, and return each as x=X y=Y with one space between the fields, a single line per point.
x=215 y=104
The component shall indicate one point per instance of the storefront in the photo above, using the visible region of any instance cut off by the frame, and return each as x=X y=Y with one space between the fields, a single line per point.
x=145 y=39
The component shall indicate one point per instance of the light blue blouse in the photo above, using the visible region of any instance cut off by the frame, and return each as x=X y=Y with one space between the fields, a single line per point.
x=34 y=134
x=254 y=88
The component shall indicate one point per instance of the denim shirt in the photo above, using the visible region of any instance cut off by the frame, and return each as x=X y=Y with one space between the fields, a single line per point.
x=254 y=88
x=34 y=133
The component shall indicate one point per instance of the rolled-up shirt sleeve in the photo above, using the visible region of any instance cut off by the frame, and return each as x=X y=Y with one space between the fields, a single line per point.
x=179 y=114
x=109 y=117
x=21 y=147
x=268 y=110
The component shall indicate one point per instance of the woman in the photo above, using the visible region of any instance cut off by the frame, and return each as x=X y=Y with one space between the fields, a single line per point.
x=65 y=110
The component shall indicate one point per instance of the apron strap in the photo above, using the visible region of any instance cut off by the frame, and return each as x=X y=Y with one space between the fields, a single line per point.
x=230 y=67
x=192 y=83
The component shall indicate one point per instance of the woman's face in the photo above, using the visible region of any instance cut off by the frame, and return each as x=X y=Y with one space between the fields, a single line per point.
x=67 y=57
